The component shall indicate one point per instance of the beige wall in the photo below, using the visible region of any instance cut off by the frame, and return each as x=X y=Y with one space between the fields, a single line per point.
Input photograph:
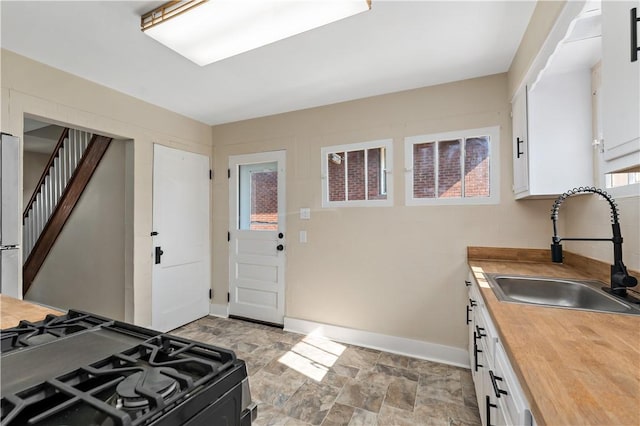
x=392 y=270
x=29 y=87
x=85 y=268
x=33 y=165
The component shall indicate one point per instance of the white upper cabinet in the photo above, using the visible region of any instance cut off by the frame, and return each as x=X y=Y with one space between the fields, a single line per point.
x=552 y=115
x=520 y=146
x=620 y=84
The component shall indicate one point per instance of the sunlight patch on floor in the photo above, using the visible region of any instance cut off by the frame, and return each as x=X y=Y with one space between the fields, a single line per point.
x=313 y=356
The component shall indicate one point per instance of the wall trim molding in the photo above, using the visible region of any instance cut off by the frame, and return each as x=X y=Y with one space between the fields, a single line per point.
x=397 y=345
x=221 y=311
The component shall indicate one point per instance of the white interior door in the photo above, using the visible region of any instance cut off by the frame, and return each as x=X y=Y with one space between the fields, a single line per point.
x=10 y=217
x=181 y=250
x=257 y=236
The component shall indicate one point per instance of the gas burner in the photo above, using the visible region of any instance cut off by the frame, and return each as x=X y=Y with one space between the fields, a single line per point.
x=138 y=390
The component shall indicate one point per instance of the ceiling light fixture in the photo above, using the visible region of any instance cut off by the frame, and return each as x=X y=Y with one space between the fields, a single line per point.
x=208 y=31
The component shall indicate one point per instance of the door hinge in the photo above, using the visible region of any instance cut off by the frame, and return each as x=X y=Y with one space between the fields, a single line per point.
x=228 y=297
x=229 y=173
x=210 y=174
x=228 y=236
x=210 y=294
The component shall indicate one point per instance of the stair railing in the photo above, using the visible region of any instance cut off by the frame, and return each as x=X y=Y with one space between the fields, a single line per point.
x=54 y=179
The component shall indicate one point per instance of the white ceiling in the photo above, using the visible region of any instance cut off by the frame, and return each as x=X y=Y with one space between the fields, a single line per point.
x=397 y=45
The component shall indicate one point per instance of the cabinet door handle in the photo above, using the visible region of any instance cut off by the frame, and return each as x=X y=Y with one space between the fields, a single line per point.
x=468 y=310
x=467 y=283
x=475 y=353
x=634 y=34
x=480 y=333
x=494 y=382
x=489 y=406
x=518 y=143
x=472 y=303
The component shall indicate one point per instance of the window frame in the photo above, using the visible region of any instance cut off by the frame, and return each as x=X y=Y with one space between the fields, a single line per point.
x=494 y=167
x=387 y=145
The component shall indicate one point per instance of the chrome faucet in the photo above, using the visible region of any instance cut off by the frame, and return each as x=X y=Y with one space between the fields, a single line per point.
x=620 y=278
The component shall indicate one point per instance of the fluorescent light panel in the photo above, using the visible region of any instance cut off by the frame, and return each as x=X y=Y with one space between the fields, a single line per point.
x=219 y=29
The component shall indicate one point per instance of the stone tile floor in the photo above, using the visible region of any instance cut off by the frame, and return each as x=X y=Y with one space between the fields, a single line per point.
x=307 y=380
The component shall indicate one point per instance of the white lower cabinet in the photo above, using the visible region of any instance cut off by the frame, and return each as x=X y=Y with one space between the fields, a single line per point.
x=501 y=400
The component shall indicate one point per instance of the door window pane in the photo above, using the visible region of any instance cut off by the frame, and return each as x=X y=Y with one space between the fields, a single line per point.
x=258 y=199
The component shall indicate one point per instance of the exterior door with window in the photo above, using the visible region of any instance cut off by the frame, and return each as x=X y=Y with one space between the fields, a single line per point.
x=257 y=236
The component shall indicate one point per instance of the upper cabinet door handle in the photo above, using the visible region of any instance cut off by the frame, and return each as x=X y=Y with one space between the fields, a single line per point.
x=518 y=142
x=634 y=34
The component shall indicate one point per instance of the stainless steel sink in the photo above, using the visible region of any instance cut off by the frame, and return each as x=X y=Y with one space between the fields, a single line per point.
x=562 y=293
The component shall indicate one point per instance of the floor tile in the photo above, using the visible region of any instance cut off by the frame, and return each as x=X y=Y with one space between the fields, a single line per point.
x=363 y=418
x=401 y=394
x=339 y=415
x=311 y=402
x=275 y=390
x=394 y=360
x=360 y=394
x=397 y=372
x=358 y=357
x=446 y=388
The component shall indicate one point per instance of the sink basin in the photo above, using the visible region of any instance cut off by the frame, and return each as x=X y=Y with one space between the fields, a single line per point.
x=562 y=293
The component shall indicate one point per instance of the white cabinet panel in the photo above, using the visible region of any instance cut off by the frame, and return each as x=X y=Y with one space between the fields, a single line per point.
x=620 y=83
x=520 y=145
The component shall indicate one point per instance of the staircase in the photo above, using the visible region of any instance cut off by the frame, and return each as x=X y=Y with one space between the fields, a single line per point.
x=70 y=167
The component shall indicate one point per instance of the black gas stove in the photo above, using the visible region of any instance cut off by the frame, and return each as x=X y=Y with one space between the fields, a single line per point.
x=85 y=370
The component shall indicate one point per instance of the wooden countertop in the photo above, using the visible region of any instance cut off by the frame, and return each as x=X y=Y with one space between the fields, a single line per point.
x=575 y=367
x=13 y=310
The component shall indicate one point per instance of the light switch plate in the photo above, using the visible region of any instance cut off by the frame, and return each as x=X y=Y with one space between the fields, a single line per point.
x=303 y=236
x=305 y=213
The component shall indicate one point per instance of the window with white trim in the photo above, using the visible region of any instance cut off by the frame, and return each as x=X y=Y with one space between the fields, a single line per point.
x=460 y=167
x=357 y=174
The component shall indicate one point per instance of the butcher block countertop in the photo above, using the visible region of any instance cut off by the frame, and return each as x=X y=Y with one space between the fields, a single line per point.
x=13 y=310
x=575 y=367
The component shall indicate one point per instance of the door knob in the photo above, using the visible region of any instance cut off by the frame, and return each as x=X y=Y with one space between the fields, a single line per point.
x=280 y=235
x=279 y=247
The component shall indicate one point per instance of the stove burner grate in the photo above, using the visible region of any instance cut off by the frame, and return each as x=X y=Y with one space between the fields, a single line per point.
x=137 y=386
x=50 y=329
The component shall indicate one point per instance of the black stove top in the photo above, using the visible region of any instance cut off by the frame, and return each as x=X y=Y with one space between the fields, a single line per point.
x=81 y=369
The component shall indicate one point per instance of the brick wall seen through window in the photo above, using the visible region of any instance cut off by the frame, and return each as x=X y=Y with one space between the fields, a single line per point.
x=356 y=175
x=450 y=168
x=264 y=201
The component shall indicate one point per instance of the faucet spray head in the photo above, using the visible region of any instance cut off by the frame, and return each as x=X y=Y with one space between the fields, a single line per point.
x=556 y=252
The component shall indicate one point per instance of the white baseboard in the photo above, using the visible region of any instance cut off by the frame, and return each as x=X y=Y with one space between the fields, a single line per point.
x=397 y=345
x=219 y=310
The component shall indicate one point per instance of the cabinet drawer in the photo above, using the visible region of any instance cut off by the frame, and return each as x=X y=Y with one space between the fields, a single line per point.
x=490 y=338
x=511 y=399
